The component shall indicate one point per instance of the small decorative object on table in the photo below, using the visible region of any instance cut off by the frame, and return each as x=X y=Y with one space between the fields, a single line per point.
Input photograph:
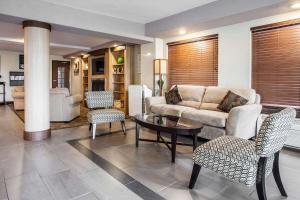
x=120 y=59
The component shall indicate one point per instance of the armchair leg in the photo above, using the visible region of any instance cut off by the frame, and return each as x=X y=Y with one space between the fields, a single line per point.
x=109 y=125
x=123 y=127
x=260 y=179
x=276 y=175
x=194 y=176
x=94 y=131
x=90 y=127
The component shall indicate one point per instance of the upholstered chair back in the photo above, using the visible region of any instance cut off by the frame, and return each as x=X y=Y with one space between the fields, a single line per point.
x=99 y=99
x=274 y=132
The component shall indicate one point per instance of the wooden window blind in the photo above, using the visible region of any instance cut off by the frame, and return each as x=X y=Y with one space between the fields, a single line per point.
x=276 y=63
x=193 y=61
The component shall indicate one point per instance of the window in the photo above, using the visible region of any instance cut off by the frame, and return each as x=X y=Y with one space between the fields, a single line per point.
x=194 y=61
x=60 y=77
x=276 y=63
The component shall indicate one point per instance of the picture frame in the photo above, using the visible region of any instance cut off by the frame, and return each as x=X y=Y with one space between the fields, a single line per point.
x=21 y=61
x=76 y=68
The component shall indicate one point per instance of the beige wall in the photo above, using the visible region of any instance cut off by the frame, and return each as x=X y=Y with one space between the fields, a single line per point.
x=9 y=61
x=235 y=49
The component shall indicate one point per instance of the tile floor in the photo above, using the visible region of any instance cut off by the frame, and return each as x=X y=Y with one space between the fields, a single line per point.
x=53 y=169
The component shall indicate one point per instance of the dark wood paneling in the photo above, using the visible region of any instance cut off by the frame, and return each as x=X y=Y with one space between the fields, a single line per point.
x=276 y=63
x=55 y=65
x=37 y=135
x=194 y=61
x=33 y=23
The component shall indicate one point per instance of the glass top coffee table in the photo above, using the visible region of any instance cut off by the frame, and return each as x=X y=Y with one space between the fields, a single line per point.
x=171 y=125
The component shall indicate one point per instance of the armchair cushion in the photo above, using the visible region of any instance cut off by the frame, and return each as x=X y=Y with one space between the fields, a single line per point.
x=75 y=99
x=232 y=157
x=105 y=115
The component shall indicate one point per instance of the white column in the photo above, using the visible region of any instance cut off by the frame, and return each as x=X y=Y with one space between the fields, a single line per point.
x=37 y=75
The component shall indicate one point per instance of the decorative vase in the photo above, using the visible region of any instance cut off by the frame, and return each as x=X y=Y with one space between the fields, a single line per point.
x=120 y=59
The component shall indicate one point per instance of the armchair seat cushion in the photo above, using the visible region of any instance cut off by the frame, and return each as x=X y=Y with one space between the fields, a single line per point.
x=105 y=115
x=232 y=157
x=208 y=117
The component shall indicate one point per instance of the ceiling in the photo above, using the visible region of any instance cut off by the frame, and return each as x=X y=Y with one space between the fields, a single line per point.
x=132 y=10
x=61 y=43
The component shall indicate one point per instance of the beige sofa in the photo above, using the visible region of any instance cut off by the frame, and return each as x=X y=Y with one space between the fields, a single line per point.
x=63 y=107
x=18 y=96
x=200 y=103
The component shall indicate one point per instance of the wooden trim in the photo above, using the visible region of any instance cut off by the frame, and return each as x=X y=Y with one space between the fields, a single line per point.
x=33 y=23
x=282 y=24
x=37 y=135
x=208 y=37
x=98 y=52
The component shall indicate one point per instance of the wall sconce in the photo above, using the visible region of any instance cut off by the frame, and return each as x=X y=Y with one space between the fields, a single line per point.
x=159 y=78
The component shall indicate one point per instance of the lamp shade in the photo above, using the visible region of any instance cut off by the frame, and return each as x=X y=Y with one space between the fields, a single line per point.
x=160 y=66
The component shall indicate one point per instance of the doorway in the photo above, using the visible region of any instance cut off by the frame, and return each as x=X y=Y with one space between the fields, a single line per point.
x=60 y=74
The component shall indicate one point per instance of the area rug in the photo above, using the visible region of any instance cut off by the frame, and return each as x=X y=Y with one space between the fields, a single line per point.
x=79 y=121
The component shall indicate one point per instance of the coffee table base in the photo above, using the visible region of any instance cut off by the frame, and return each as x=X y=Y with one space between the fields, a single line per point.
x=173 y=141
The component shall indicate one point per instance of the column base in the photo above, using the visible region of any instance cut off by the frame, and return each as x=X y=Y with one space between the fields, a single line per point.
x=37 y=135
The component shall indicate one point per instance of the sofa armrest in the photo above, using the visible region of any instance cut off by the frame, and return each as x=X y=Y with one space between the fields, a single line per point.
x=74 y=99
x=150 y=101
x=242 y=121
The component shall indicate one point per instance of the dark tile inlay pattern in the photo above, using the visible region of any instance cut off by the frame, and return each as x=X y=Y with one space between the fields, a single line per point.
x=132 y=184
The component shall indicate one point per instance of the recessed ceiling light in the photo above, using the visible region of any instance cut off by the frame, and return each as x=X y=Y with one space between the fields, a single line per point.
x=115 y=45
x=182 y=31
x=148 y=54
x=295 y=5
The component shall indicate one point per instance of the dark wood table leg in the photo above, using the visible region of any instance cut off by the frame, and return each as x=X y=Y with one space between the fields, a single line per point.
x=195 y=141
x=137 y=134
x=158 y=134
x=173 y=141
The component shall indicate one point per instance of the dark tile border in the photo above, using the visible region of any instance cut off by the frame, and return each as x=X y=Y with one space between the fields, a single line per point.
x=132 y=184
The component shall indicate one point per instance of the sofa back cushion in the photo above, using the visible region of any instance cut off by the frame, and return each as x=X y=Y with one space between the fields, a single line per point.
x=215 y=94
x=191 y=92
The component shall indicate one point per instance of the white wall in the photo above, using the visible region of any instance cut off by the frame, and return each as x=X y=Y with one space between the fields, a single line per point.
x=76 y=80
x=150 y=51
x=235 y=49
x=10 y=62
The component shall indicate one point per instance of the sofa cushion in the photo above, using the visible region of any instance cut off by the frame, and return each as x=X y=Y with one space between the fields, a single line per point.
x=249 y=94
x=192 y=104
x=175 y=110
x=157 y=108
x=191 y=92
x=230 y=101
x=214 y=94
x=173 y=96
x=210 y=106
x=207 y=117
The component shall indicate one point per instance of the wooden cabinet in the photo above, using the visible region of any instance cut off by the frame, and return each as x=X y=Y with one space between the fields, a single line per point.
x=120 y=64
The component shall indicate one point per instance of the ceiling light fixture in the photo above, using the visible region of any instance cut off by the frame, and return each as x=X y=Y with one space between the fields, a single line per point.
x=295 y=5
x=182 y=31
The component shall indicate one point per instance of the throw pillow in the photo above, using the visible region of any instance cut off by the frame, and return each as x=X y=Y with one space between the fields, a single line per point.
x=173 y=96
x=230 y=101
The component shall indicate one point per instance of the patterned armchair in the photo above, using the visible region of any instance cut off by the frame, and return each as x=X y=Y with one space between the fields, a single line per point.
x=100 y=104
x=246 y=161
